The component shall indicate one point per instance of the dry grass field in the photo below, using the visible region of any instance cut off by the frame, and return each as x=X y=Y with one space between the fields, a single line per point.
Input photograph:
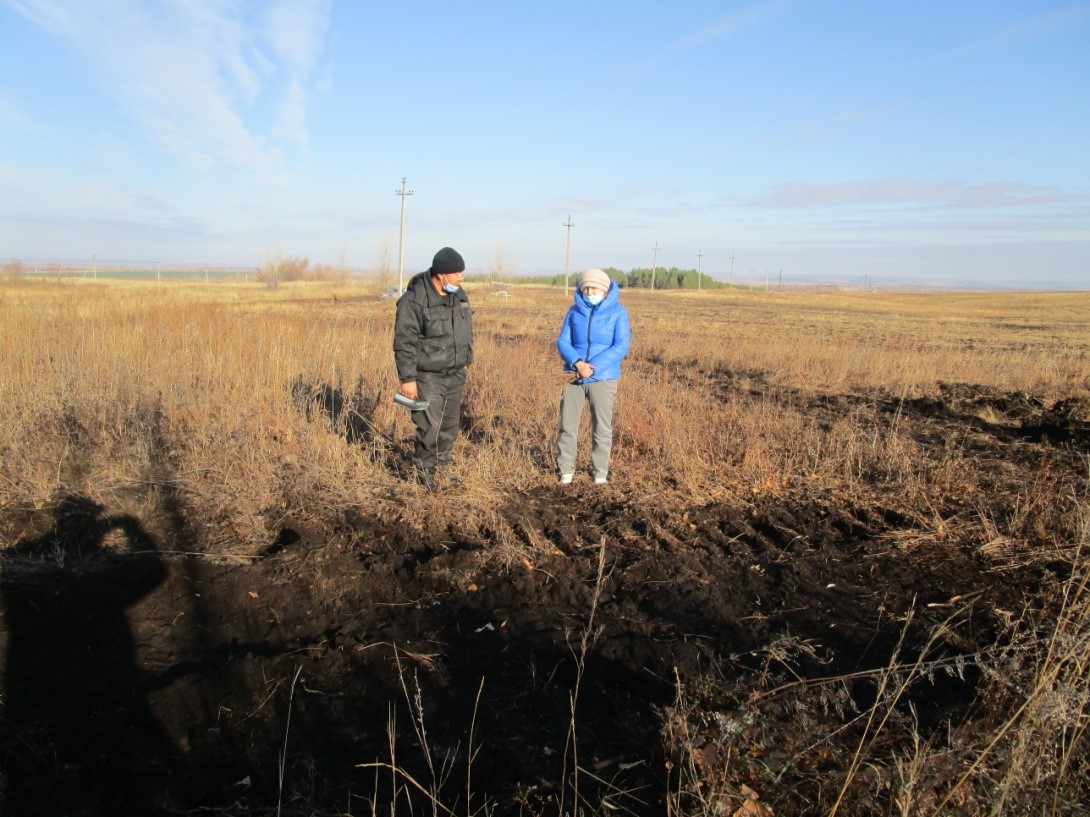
x=839 y=568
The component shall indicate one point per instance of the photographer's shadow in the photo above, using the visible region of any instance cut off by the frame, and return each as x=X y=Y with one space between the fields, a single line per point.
x=78 y=735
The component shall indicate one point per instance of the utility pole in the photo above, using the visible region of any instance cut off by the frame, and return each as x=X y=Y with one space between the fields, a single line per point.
x=699 y=255
x=567 y=252
x=654 y=264
x=732 y=269
x=401 y=237
x=94 y=266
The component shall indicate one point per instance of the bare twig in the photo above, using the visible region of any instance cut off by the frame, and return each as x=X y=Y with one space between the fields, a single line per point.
x=284 y=752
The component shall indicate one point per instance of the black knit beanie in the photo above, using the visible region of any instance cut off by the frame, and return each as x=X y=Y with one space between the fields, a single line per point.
x=446 y=261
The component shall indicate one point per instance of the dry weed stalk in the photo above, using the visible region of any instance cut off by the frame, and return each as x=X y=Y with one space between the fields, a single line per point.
x=893 y=685
x=284 y=751
x=587 y=638
x=1033 y=755
x=400 y=776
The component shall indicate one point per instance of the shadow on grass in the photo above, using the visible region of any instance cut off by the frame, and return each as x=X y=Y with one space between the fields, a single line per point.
x=79 y=737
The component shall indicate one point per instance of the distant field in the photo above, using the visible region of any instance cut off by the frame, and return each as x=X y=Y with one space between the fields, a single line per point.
x=138 y=273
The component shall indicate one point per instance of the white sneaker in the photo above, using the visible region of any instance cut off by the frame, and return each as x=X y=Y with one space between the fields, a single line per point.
x=565 y=479
x=600 y=480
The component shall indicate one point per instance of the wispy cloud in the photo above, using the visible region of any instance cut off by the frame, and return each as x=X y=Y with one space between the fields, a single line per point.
x=44 y=13
x=848 y=194
x=1042 y=26
x=1052 y=23
x=295 y=30
x=909 y=192
x=202 y=77
x=1011 y=194
x=721 y=29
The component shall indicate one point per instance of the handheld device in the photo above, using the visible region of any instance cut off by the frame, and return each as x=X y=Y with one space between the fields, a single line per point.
x=412 y=405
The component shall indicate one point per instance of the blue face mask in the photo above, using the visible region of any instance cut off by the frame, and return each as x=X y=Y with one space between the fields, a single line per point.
x=593 y=300
x=451 y=288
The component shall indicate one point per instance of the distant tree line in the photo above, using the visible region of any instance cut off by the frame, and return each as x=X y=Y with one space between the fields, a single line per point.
x=642 y=277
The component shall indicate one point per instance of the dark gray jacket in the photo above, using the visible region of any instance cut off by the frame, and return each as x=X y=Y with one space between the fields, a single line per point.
x=432 y=332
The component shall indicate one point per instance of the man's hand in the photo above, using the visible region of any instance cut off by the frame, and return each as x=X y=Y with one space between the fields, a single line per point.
x=408 y=388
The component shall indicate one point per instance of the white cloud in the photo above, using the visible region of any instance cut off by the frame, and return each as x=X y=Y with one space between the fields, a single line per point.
x=721 y=29
x=903 y=191
x=1053 y=23
x=199 y=74
x=1010 y=194
x=43 y=13
x=295 y=30
x=1042 y=26
x=847 y=194
x=291 y=114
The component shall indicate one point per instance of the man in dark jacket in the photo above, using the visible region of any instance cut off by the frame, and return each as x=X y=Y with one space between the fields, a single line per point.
x=433 y=347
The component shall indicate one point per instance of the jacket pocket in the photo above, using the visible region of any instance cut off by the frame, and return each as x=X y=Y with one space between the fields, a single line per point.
x=438 y=325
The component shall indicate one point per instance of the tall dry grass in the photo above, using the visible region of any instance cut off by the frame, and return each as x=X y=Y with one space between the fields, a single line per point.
x=237 y=405
x=218 y=373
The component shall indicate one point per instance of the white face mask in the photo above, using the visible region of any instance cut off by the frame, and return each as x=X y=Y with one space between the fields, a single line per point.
x=451 y=288
x=593 y=300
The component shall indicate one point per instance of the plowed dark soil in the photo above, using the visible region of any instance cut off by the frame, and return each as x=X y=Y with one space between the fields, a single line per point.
x=142 y=682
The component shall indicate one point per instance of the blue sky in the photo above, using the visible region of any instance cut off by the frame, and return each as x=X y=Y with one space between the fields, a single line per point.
x=930 y=142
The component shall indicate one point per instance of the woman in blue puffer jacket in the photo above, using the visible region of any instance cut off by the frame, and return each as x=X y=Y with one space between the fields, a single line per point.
x=593 y=341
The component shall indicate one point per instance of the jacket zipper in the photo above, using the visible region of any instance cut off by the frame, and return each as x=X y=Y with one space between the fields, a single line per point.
x=590 y=322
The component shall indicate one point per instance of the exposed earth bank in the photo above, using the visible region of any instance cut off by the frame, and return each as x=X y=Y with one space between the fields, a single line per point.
x=590 y=652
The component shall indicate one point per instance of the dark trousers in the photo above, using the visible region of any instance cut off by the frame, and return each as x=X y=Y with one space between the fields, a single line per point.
x=437 y=426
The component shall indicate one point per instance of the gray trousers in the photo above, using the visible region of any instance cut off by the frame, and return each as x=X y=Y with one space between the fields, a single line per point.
x=600 y=395
x=437 y=425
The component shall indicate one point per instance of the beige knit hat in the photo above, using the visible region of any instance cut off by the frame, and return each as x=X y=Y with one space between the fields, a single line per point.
x=594 y=278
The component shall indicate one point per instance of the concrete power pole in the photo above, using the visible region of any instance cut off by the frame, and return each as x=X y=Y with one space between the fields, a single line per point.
x=401 y=237
x=567 y=252
x=654 y=265
x=732 y=269
x=699 y=255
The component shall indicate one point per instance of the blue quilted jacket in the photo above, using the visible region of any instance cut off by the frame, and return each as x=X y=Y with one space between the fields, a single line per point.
x=597 y=334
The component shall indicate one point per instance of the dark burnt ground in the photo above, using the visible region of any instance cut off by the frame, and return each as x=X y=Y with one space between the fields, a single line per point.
x=137 y=683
